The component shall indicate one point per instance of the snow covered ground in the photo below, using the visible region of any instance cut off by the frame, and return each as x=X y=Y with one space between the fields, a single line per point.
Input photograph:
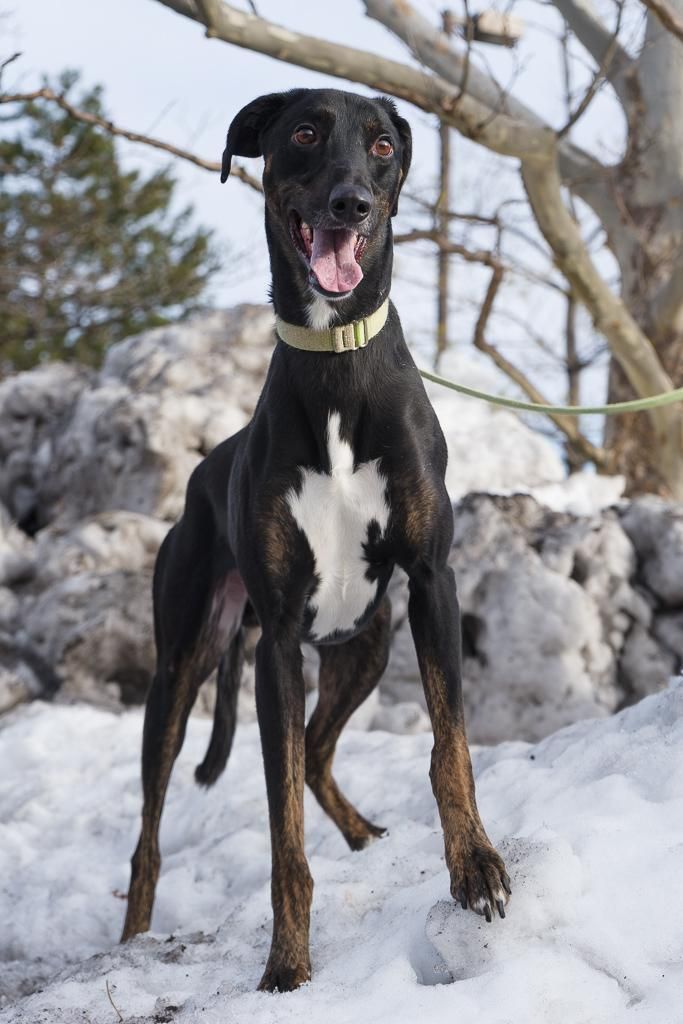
x=590 y=821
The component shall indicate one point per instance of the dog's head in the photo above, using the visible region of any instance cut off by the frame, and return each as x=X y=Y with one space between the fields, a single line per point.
x=335 y=163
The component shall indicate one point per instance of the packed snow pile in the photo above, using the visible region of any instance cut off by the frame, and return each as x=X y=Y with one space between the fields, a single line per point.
x=570 y=608
x=564 y=617
x=590 y=822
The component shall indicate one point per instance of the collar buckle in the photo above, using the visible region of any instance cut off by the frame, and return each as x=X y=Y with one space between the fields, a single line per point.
x=349 y=337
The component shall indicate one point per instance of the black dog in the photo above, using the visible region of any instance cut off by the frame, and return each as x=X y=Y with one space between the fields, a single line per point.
x=299 y=519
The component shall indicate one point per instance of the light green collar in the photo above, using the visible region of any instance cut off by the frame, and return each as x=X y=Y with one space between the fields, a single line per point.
x=345 y=338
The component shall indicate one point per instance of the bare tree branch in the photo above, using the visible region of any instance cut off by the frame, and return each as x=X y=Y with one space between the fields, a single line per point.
x=597 y=39
x=9 y=60
x=667 y=15
x=473 y=218
x=580 y=172
x=100 y=122
x=483 y=256
x=566 y=424
x=208 y=10
x=434 y=49
x=516 y=133
x=600 y=75
x=508 y=133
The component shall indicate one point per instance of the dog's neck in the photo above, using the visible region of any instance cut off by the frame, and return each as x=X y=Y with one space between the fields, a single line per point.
x=296 y=302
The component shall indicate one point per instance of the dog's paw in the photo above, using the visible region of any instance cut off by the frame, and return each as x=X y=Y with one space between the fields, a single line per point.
x=280 y=976
x=481 y=882
x=360 y=838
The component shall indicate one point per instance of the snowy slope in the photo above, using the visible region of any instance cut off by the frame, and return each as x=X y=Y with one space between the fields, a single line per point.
x=590 y=821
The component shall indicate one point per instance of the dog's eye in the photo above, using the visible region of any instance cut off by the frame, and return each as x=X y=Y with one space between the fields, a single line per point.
x=383 y=147
x=305 y=135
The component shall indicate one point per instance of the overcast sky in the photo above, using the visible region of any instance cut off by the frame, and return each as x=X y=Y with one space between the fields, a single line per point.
x=163 y=77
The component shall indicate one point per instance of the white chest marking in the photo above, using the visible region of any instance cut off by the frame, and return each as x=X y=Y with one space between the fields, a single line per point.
x=319 y=312
x=334 y=510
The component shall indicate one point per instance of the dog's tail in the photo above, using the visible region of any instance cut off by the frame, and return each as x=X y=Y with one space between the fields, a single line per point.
x=225 y=714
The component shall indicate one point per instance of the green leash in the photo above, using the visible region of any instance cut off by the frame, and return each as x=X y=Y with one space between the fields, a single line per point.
x=636 y=405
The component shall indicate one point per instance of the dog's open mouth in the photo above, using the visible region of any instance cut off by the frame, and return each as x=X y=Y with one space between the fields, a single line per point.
x=332 y=254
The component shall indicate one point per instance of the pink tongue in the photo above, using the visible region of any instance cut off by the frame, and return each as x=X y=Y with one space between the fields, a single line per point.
x=333 y=261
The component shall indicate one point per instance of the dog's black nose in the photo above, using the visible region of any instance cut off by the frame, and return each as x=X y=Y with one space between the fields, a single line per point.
x=350 y=204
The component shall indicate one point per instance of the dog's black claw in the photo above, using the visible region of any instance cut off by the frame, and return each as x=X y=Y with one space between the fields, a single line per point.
x=501 y=908
x=461 y=897
x=487 y=913
x=506 y=884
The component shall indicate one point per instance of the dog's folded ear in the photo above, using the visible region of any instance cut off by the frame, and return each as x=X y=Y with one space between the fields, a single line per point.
x=405 y=134
x=244 y=134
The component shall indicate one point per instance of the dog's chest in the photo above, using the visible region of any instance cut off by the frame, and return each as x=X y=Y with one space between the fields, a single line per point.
x=341 y=513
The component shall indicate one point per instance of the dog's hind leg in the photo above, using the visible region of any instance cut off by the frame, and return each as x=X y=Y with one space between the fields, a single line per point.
x=196 y=591
x=168 y=706
x=348 y=674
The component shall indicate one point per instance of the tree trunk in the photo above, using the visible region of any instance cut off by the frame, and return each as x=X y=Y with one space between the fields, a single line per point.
x=648 y=245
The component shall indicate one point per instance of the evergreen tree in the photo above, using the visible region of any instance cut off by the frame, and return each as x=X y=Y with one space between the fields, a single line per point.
x=89 y=252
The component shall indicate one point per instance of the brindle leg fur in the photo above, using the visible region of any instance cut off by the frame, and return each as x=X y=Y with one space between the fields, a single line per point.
x=478 y=876
x=168 y=706
x=348 y=674
x=280 y=703
x=188 y=649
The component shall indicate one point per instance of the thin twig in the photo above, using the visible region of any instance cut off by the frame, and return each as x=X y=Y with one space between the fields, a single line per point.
x=483 y=256
x=6 y=63
x=9 y=60
x=100 y=122
x=109 y=995
x=473 y=218
x=598 y=78
x=668 y=17
x=564 y=423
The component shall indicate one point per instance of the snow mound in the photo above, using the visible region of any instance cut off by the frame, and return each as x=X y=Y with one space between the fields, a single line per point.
x=590 y=821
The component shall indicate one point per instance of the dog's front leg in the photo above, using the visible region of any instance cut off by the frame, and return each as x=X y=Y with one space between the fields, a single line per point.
x=478 y=876
x=280 y=702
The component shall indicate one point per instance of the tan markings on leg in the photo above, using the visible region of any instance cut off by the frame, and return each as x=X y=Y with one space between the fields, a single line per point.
x=277 y=531
x=348 y=673
x=451 y=776
x=146 y=861
x=356 y=829
x=419 y=499
x=448 y=726
x=146 y=864
x=289 y=963
x=476 y=870
x=451 y=770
